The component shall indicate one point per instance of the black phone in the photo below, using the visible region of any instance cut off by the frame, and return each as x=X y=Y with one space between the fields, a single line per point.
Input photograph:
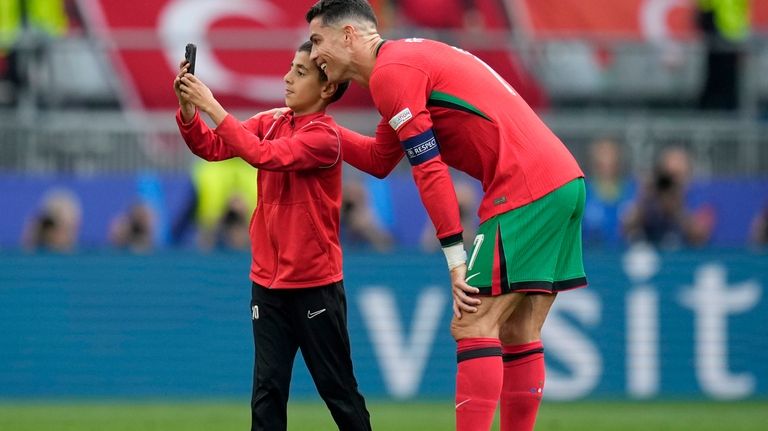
x=190 y=53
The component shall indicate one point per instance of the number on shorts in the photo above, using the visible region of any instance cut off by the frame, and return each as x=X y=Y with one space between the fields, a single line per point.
x=475 y=250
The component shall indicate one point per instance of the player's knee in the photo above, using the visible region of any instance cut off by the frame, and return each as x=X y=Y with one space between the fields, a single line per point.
x=466 y=327
x=517 y=332
x=511 y=334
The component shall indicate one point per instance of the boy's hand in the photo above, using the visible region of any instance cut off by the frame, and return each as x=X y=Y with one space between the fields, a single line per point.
x=193 y=91
x=187 y=109
x=177 y=80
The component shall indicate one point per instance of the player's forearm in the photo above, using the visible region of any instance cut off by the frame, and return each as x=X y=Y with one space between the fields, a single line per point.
x=439 y=199
x=360 y=155
x=362 y=152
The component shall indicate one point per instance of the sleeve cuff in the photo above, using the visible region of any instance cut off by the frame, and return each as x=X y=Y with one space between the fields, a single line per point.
x=189 y=123
x=454 y=239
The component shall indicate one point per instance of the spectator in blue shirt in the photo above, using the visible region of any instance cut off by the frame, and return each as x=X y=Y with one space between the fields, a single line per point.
x=609 y=194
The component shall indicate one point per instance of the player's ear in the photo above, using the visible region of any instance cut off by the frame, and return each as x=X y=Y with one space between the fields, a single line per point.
x=349 y=31
x=328 y=90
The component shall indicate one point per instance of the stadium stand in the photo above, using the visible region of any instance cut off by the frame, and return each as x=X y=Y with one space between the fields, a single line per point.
x=633 y=72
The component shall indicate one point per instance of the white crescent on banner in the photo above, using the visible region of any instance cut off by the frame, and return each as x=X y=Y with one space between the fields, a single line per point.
x=654 y=22
x=187 y=21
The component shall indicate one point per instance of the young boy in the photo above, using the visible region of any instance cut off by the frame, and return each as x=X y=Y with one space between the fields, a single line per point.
x=298 y=297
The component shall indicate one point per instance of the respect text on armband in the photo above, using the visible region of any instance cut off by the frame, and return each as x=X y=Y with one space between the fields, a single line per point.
x=421 y=148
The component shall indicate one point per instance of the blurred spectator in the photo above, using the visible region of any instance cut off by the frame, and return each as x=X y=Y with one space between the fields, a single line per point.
x=725 y=26
x=759 y=230
x=359 y=224
x=144 y=225
x=56 y=225
x=150 y=194
x=661 y=215
x=609 y=194
x=221 y=202
x=468 y=199
x=134 y=230
x=232 y=229
x=439 y=14
x=25 y=31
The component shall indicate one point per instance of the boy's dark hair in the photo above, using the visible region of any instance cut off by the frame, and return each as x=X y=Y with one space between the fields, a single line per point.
x=332 y=11
x=341 y=87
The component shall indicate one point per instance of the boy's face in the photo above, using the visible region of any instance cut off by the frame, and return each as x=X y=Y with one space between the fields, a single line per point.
x=303 y=88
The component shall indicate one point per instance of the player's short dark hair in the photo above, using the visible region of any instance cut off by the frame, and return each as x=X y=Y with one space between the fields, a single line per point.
x=341 y=87
x=332 y=11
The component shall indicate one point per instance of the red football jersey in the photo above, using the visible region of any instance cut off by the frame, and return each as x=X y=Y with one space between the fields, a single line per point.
x=449 y=108
x=295 y=226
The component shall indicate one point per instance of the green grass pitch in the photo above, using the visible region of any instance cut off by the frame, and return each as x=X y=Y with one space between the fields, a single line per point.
x=386 y=416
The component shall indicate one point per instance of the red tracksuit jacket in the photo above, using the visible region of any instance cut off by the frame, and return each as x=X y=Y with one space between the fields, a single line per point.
x=295 y=226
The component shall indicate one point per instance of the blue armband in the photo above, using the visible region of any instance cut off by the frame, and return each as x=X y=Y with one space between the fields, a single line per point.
x=421 y=147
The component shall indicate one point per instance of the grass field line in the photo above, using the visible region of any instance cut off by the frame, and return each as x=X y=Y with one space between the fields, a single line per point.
x=160 y=415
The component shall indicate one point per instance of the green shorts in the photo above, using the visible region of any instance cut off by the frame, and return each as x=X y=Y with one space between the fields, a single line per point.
x=534 y=248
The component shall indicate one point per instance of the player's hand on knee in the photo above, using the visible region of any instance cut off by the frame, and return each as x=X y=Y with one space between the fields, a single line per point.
x=462 y=302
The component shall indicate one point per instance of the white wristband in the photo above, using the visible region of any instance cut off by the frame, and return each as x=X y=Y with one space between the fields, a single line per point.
x=455 y=255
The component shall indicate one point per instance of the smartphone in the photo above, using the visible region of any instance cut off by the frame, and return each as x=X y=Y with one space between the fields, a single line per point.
x=190 y=54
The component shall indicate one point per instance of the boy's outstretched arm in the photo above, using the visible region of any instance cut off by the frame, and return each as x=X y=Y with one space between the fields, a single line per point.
x=200 y=139
x=375 y=156
x=316 y=145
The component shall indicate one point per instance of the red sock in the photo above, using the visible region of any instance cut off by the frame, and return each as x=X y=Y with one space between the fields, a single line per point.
x=478 y=383
x=523 y=386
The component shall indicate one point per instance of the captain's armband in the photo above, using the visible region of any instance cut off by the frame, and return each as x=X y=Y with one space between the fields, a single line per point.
x=421 y=147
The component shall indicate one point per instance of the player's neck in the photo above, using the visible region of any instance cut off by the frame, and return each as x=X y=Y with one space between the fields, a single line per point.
x=366 y=58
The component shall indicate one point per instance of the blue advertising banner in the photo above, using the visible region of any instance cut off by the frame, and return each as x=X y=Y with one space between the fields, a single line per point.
x=651 y=325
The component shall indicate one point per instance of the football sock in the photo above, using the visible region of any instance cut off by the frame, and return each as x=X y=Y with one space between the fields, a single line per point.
x=478 y=382
x=523 y=386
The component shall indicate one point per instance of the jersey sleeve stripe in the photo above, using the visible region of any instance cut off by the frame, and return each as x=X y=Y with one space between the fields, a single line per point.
x=437 y=98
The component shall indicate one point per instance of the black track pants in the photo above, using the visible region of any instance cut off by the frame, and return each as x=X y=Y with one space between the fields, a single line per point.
x=315 y=321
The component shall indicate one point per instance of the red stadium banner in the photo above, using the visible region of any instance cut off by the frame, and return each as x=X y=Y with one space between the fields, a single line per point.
x=244 y=47
x=760 y=15
x=626 y=19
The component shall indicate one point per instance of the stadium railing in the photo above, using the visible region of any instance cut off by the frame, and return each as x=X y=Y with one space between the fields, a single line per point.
x=104 y=142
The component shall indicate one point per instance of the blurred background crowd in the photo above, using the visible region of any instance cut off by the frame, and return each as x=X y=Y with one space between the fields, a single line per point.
x=664 y=103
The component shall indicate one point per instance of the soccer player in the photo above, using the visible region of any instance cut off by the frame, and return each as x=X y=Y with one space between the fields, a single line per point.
x=298 y=299
x=442 y=106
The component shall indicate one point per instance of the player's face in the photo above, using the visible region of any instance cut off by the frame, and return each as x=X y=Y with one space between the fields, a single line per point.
x=303 y=87
x=329 y=50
